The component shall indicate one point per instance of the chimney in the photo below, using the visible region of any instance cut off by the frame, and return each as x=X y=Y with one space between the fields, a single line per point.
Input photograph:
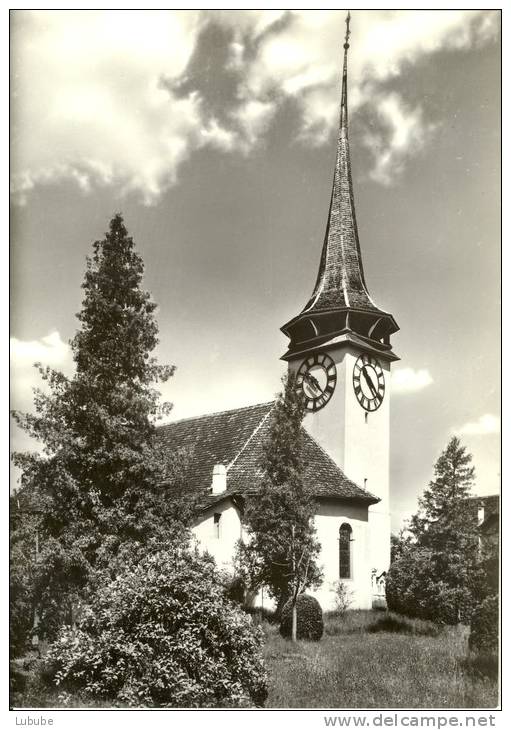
x=219 y=481
x=480 y=513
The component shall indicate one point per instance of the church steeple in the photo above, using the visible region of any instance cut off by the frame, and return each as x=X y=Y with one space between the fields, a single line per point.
x=340 y=302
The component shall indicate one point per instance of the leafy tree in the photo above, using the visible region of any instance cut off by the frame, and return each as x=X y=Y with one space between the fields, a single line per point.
x=23 y=535
x=400 y=543
x=436 y=571
x=100 y=479
x=281 y=549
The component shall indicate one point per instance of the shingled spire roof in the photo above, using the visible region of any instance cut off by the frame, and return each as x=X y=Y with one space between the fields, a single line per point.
x=340 y=286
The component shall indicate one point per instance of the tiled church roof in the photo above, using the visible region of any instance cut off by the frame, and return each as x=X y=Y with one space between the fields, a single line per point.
x=235 y=439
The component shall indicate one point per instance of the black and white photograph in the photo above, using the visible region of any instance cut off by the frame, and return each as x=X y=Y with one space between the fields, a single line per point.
x=255 y=352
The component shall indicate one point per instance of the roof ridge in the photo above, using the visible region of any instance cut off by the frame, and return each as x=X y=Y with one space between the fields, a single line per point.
x=215 y=413
x=316 y=443
x=259 y=425
x=484 y=496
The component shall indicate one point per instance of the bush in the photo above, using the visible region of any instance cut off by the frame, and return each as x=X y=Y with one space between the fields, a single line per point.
x=481 y=664
x=484 y=627
x=162 y=634
x=21 y=603
x=413 y=588
x=309 y=619
x=233 y=587
x=401 y=625
x=343 y=597
x=353 y=622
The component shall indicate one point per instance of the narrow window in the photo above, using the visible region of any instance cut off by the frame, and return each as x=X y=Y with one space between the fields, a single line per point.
x=345 y=540
x=216 y=525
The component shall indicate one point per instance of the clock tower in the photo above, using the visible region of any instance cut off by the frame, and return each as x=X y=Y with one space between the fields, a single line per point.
x=340 y=351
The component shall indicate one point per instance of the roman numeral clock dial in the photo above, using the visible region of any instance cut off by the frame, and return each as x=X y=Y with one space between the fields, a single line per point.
x=315 y=380
x=368 y=382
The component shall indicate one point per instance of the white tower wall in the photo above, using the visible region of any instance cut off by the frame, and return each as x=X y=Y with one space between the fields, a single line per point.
x=358 y=441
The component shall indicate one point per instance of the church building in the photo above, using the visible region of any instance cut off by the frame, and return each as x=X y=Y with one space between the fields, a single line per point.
x=340 y=351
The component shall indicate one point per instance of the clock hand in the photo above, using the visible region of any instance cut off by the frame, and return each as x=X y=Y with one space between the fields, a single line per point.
x=311 y=380
x=369 y=382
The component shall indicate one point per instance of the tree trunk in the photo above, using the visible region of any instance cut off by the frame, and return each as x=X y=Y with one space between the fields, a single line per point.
x=283 y=598
x=293 y=621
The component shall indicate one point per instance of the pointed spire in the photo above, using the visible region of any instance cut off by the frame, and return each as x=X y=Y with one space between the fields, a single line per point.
x=344 y=96
x=341 y=281
x=340 y=286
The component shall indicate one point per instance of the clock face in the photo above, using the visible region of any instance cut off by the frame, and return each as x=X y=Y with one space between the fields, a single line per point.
x=316 y=379
x=368 y=382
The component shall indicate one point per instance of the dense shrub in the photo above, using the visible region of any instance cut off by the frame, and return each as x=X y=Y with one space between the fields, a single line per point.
x=309 y=619
x=413 y=588
x=391 y=623
x=353 y=622
x=234 y=587
x=481 y=664
x=162 y=634
x=484 y=627
x=21 y=603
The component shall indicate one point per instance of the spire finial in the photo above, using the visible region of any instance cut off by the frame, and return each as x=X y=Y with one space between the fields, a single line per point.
x=344 y=94
x=348 y=32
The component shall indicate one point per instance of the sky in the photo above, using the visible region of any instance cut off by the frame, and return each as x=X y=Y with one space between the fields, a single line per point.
x=214 y=133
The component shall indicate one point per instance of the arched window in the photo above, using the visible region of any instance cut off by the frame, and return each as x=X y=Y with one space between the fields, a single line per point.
x=216 y=525
x=345 y=533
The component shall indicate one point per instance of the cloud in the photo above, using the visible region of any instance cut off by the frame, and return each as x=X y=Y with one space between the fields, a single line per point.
x=487 y=424
x=89 y=102
x=253 y=118
x=302 y=61
x=407 y=380
x=96 y=99
x=50 y=350
x=403 y=133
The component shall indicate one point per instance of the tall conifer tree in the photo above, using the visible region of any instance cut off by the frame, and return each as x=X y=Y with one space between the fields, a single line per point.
x=446 y=521
x=436 y=572
x=100 y=479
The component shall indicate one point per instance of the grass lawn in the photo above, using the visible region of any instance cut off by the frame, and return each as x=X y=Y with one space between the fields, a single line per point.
x=351 y=667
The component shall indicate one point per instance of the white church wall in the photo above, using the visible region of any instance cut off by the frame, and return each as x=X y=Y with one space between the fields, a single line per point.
x=219 y=535
x=329 y=518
